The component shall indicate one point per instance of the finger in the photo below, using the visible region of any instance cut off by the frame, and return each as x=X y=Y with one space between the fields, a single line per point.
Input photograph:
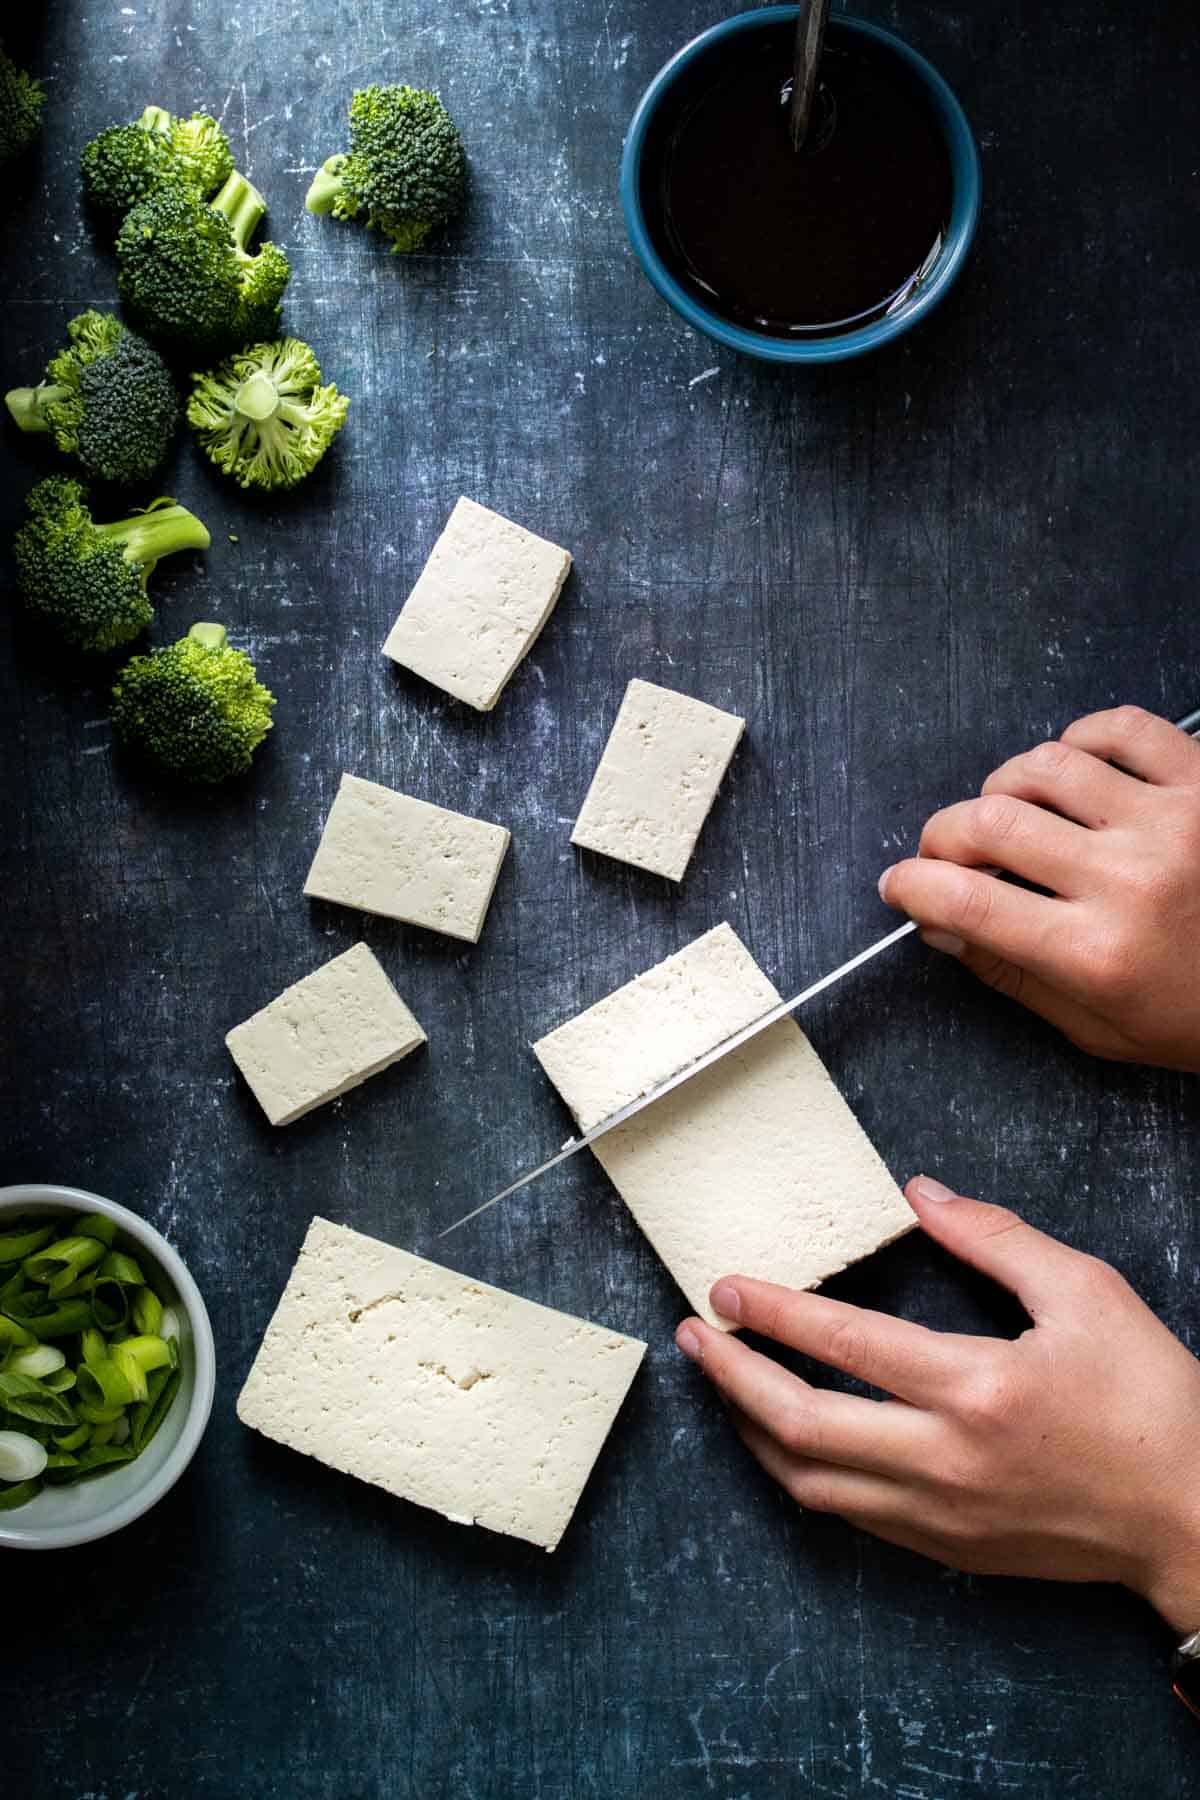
x=1038 y=1269
x=1140 y=742
x=999 y=831
x=1077 y=1022
x=806 y=1421
x=903 y=1359
x=821 y=1487
x=981 y=910
x=1075 y=783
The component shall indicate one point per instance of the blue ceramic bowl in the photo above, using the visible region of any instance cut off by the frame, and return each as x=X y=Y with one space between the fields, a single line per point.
x=836 y=347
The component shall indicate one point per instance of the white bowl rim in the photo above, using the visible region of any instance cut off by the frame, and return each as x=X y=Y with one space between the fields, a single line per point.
x=58 y=1537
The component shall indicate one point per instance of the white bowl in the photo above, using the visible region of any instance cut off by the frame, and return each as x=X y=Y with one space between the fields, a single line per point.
x=60 y=1516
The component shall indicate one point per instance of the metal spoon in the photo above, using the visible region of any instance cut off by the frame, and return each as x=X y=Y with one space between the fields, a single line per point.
x=810 y=39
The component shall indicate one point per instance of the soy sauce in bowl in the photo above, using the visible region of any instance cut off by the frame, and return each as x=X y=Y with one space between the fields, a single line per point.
x=807 y=244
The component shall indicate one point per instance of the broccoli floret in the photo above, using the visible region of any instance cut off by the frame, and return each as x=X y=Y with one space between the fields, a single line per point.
x=108 y=399
x=128 y=163
x=21 y=102
x=88 y=581
x=185 y=273
x=195 y=708
x=406 y=169
x=264 y=417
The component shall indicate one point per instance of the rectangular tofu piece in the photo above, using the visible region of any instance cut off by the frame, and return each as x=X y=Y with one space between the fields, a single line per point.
x=662 y=765
x=478 y=604
x=460 y=1397
x=754 y=1167
x=390 y=854
x=323 y=1035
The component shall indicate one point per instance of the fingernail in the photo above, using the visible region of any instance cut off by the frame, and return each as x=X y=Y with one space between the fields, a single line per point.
x=688 y=1342
x=726 y=1300
x=928 y=1189
x=945 y=941
x=883 y=881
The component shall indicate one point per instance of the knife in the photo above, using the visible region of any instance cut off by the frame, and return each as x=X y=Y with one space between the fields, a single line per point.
x=1189 y=723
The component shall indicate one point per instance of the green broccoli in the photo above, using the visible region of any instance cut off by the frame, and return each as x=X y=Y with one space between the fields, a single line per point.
x=406 y=169
x=108 y=399
x=88 y=581
x=21 y=102
x=196 y=708
x=128 y=163
x=186 y=276
x=264 y=417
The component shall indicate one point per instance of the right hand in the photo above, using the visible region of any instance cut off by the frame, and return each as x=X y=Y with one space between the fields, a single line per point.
x=1111 y=955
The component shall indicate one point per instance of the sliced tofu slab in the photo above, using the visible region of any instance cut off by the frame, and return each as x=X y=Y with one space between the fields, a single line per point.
x=391 y=854
x=473 y=1402
x=756 y=1166
x=478 y=604
x=662 y=765
x=323 y=1035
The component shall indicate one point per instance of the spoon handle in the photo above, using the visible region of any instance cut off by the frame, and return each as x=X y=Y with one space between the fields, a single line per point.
x=810 y=37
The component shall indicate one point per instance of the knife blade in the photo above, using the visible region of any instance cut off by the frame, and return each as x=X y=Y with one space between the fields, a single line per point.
x=1189 y=723
x=727 y=1045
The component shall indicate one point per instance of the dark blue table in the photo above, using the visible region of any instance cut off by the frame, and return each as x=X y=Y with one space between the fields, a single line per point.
x=900 y=571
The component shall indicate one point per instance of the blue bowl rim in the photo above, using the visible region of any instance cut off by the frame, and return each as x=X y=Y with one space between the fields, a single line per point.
x=964 y=211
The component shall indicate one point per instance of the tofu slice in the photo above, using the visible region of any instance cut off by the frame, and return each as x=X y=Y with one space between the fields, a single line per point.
x=756 y=1166
x=460 y=1397
x=662 y=765
x=390 y=854
x=478 y=604
x=323 y=1035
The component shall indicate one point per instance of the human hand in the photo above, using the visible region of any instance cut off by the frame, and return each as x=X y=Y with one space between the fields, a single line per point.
x=1068 y=1453
x=1112 y=955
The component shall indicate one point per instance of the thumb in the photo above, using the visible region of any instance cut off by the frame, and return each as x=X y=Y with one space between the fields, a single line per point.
x=1031 y=1265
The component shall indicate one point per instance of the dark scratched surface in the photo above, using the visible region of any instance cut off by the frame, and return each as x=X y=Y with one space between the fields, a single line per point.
x=900 y=571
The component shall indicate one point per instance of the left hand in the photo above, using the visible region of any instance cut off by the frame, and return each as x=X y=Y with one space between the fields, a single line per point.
x=1069 y=1453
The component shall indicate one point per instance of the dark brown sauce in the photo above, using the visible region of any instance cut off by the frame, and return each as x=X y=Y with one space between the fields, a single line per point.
x=818 y=242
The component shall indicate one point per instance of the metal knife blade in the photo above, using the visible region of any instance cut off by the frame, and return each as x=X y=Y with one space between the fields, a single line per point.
x=724 y=1048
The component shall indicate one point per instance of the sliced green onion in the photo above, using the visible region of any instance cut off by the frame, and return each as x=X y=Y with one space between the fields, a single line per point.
x=148 y=1417
x=22 y=1458
x=99 y=1457
x=14 y=1336
x=64 y=1262
x=98 y=1415
x=96 y=1225
x=23 y=1240
x=19 y=1495
x=58 y=1321
x=39 y=1360
x=148 y=1312
x=122 y=1375
x=28 y=1399
x=104 y=1383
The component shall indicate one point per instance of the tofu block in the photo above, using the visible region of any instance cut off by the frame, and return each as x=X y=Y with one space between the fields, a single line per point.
x=756 y=1166
x=481 y=1406
x=387 y=853
x=658 y=776
x=323 y=1035
x=478 y=604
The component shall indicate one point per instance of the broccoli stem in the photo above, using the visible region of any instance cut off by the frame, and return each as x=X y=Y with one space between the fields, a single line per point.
x=159 y=531
x=257 y=398
x=28 y=405
x=213 y=637
x=156 y=118
x=240 y=202
x=326 y=186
